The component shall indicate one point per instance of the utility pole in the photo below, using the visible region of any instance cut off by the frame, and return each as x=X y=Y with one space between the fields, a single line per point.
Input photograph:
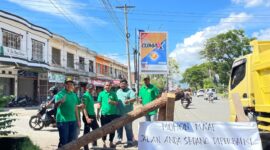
x=125 y=7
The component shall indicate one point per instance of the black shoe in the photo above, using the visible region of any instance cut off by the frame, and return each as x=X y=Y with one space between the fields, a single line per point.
x=118 y=142
x=128 y=145
x=112 y=145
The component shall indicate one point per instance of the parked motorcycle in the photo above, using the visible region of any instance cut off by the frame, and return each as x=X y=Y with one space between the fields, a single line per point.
x=41 y=119
x=21 y=101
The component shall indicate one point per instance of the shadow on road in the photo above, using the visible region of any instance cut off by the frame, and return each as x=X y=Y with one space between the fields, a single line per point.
x=51 y=130
x=26 y=108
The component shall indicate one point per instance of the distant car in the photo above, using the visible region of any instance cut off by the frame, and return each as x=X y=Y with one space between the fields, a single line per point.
x=200 y=93
x=213 y=91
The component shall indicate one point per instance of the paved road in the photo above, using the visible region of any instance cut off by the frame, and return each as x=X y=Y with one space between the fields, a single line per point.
x=200 y=110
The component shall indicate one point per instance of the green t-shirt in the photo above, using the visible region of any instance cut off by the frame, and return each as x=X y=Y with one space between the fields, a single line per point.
x=148 y=94
x=66 y=111
x=89 y=103
x=106 y=108
x=122 y=96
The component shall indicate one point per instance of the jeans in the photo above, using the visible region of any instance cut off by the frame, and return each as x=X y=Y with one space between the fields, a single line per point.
x=150 y=117
x=129 y=133
x=67 y=132
x=105 y=119
x=93 y=125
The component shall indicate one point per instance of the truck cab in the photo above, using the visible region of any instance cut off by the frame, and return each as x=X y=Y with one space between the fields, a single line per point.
x=241 y=83
x=250 y=78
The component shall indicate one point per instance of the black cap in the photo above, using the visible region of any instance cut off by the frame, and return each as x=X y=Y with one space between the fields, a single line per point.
x=146 y=78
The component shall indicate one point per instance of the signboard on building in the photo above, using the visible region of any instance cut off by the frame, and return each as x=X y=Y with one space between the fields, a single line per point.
x=27 y=74
x=153 y=52
x=199 y=135
x=56 y=77
x=11 y=52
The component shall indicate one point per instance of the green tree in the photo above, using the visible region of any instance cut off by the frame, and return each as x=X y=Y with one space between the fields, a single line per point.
x=223 y=49
x=174 y=68
x=208 y=83
x=195 y=75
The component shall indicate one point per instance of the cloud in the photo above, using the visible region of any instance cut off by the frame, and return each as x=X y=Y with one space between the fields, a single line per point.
x=262 y=34
x=62 y=8
x=187 y=52
x=252 y=3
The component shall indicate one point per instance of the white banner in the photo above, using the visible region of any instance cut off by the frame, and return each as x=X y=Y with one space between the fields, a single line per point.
x=56 y=77
x=165 y=135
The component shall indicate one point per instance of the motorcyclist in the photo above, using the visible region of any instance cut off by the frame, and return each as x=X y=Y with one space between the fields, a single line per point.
x=188 y=94
x=210 y=94
x=179 y=94
x=53 y=91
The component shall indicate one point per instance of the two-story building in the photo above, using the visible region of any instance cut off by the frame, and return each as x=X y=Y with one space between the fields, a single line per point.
x=23 y=55
x=108 y=69
x=32 y=59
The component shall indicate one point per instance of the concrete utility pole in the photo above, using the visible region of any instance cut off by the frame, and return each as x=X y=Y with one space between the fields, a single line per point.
x=125 y=7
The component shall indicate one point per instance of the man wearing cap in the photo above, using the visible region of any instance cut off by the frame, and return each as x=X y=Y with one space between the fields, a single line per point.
x=89 y=115
x=148 y=93
x=67 y=121
x=126 y=98
x=108 y=102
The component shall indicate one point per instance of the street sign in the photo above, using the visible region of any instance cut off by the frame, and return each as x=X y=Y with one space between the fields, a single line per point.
x=198 y=135
x=153 y=52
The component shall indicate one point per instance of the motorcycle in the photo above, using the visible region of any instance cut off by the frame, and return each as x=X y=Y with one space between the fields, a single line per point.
x=210 y=97
x=184 y=97
x=22 y=101
x=41 y=119
x=186 y=100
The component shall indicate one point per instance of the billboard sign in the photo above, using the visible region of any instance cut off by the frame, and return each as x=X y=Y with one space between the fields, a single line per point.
x=153 y=52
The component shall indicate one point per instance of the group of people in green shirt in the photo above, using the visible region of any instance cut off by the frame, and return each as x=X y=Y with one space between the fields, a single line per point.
x=111 y=105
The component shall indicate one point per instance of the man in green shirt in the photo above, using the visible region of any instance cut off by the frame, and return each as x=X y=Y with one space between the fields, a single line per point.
x=108 y=102
x=148 y=93
x=67 y=121
x=89 y=115
x=126 y=98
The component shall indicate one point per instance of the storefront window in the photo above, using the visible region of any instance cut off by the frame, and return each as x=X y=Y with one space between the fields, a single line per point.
x=105 y=70
x=56 y=56
x=91 y=66
x=98 y=68
x=70 y=60
x=37 y=50
x=81 y=63
x=11 y=39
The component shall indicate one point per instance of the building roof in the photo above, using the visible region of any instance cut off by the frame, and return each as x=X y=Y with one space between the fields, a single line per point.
x=25 y=22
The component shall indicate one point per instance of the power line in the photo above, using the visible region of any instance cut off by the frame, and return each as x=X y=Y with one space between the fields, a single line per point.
x=63 y=13
x=114 y=18
x=145 y=12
